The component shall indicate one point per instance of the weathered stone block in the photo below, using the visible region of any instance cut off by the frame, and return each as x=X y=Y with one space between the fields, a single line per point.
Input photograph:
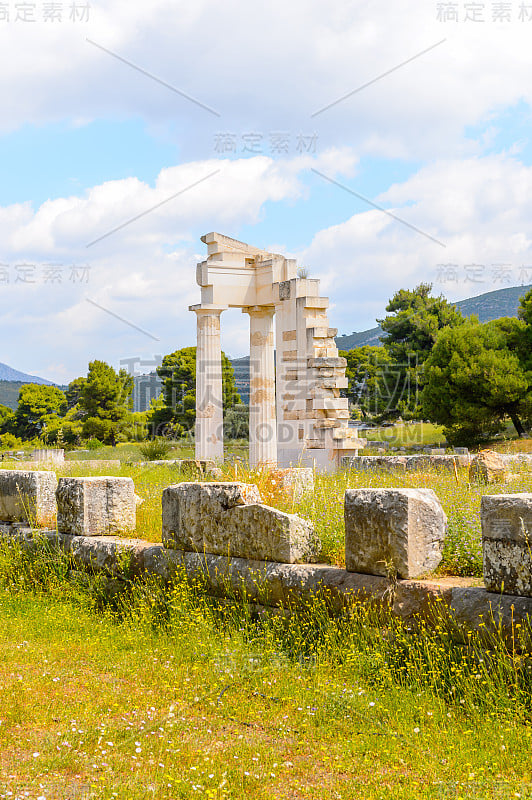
x=487 y=467
x=393 y=529
x=96 y=506
x=297 y=481
x=507 y=543
x=228 y=519
x=28 y=496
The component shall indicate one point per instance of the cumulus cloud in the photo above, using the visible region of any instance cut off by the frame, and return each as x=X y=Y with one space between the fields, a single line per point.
x=131 y=248
x=271 y=68
x=477 y=207
x=145 y=272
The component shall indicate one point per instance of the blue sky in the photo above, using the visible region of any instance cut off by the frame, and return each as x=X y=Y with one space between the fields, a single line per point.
x=438 y=136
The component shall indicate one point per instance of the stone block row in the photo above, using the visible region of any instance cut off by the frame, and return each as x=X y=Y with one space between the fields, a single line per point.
x=394 y=533
x=275 y=585
x=82 y=506
x=399 y=464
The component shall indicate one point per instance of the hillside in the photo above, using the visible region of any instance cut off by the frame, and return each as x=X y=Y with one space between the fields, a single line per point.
x=488 y=306
x=10 y=382
x=9 y=374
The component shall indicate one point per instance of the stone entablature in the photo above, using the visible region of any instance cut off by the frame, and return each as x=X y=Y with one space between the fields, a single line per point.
x=297 y=417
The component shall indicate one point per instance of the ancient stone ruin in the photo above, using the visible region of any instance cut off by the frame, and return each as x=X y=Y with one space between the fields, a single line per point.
x=222 y=533
x=393 y=531
x=507 y=543
x=296 y=414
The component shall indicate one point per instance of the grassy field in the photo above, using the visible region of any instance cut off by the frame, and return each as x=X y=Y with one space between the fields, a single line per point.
x=168 y=695
x=425 y=434
x=407 y=435
x=162 y=692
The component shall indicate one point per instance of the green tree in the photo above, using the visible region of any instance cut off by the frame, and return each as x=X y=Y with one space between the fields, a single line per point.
x=178 y=374
x=105 y=401
x=74 y=391
x=525 y=315
x=66 y=429
x=236 y=422
x=410 y=330
x=367 y=370
x=475 y=378
x=38 y=406
x=7 y=418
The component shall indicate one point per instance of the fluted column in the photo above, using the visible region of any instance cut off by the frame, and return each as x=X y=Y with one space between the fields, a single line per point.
x=209 y=395
x=262 y=416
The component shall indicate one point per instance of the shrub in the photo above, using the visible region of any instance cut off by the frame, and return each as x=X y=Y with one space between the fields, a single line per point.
x=155 y=450
x=93 y=444
x=9 y=442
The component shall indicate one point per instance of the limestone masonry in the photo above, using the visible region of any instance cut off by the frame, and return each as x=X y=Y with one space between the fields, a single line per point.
x=28 y=496
x=222 y=532
x=229 y=519
x=96 y=506
x=507 y=543
x=393 y=531
x=296 y=414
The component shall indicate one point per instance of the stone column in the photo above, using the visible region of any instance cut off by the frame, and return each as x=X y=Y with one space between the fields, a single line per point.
x=262 y=416
x=209 y=396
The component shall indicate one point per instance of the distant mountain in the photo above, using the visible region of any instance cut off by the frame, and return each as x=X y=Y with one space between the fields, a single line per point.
x=10 y=374
x=488 y=306
x=9 y=393
x=241 y=369
x=369 y=337
x=10 y=382
x=492 y=305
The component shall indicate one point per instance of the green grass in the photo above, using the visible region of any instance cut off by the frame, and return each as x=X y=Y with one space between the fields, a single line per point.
x=167 y=694
x=426 y=434
x=407 y=435
x=131 y=451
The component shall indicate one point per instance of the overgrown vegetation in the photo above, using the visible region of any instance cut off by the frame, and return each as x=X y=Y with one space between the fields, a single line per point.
x=156 y=449
x=160 y=691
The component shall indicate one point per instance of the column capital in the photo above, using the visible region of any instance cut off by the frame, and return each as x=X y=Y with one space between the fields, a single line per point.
x=265 y=310
x=207 y=309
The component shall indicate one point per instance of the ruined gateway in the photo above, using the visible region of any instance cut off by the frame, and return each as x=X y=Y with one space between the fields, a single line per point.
x=297 y=417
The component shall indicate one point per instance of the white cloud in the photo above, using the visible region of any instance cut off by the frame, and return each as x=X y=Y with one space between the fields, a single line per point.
x=143 y=272
x=269 y=68
x=477 y=207
x=264 y=69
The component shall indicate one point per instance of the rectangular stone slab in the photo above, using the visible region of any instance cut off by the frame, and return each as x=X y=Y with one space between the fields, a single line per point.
x=229 y=519
x=96 y=506
x=393 y=530
x=28 y=496
x=507 y=543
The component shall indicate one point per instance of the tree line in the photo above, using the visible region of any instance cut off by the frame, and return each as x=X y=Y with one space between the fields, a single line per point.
x=434 y=364
x=97 y=409
x=452 y=370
